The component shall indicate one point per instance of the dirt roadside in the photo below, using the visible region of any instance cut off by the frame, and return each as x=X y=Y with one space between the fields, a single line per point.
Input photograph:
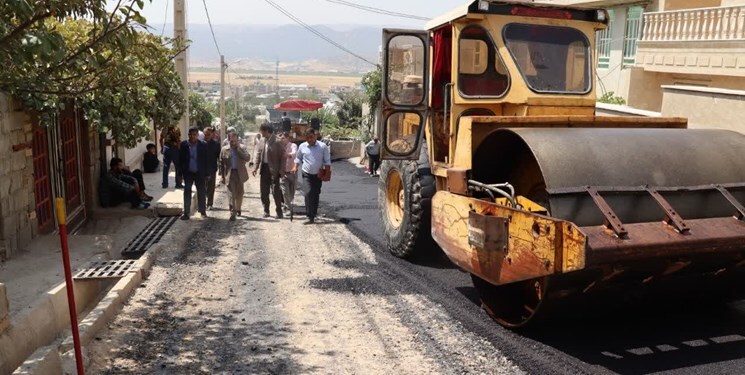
x=268 y=296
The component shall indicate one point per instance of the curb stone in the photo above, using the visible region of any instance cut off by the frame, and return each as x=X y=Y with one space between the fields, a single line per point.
x=60 y=359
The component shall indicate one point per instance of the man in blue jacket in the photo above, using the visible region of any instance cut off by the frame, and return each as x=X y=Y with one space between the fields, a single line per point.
x=193 y=160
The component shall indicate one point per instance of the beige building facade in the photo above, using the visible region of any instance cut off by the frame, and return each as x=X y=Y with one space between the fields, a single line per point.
x=675 y=57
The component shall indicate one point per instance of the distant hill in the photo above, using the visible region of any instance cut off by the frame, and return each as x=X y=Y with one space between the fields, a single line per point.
x=259 y=46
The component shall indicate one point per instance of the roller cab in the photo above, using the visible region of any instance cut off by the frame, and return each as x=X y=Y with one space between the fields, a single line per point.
x=492 y=148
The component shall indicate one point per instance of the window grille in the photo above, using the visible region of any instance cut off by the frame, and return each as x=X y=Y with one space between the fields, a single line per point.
x=633 y=33
x=604 y=43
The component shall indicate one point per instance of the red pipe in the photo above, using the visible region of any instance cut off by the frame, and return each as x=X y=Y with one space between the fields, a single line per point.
x=62 y=218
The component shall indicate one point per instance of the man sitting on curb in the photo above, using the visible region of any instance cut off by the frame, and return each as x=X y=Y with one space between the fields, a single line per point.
x=150 y=162
x=124 y=186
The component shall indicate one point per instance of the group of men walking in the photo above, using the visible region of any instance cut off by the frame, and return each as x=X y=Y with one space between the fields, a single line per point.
x=277 y=161
x=195 y=162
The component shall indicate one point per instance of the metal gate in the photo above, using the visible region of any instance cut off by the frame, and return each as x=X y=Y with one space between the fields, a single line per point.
x=67 y=166
x=70 y=164
x=42 y=183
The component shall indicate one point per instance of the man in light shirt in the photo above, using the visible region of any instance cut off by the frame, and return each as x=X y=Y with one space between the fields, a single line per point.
x=372 y=149
x=312 y=157
x=289 y=180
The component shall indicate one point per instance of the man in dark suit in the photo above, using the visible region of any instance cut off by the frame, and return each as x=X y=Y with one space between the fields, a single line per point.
x=193 y=160
x=270 y=163
x=213 y=158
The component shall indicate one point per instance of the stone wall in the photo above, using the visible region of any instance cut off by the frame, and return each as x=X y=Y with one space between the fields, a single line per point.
x=4 y=309
x=17 y=204
x=706 y=107
x=344 y=149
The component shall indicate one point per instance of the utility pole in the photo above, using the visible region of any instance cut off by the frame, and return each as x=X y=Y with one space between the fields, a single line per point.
x=276 y=80
x=222 y=96
x=182 y=61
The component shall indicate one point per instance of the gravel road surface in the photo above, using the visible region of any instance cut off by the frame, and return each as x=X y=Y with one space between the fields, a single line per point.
x=268 y=296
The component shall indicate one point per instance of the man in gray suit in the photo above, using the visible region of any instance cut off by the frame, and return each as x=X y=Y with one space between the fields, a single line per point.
x=234 y=157
x=270 y=164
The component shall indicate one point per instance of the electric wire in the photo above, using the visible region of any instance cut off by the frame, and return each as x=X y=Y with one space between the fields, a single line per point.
x=378 y=10
x=209 y=21
x=165 y=19
x=316 y=32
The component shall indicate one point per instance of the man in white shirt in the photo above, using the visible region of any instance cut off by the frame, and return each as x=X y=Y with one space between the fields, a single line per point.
x=289 y=180
x=372 y=149
x=313 y=158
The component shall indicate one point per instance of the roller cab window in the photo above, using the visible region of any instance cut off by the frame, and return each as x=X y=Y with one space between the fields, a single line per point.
x=404 y=104
x=551 y=59
x=481 y=72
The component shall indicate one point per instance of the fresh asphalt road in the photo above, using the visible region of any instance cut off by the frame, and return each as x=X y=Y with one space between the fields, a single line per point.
x=627 y=338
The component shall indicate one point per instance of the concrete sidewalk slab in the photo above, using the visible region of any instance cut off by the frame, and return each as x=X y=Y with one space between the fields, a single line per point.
x=39 y=268
x=59 y=358
x=45 y=361
x=37 y=293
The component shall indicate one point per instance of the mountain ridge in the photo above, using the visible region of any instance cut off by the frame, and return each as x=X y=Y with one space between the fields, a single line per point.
x=259 y=46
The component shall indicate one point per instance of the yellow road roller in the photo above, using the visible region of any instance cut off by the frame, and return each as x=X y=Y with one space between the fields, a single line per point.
x=492 y=147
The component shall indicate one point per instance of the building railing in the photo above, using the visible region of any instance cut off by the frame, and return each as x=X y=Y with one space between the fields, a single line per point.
x=719 y=23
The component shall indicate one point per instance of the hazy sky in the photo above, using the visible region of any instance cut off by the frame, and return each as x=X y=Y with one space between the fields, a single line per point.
x=310 y=11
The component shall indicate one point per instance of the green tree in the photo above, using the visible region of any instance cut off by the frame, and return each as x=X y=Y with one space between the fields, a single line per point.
x=149 y=89
x=42 y=62
x=56 y=52
x=241 y=114
x=325 y=116
x=200 y=110
x=373 y=90
x=350 y=112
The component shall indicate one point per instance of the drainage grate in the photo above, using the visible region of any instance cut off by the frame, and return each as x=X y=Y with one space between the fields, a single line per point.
x=149 y=236
x=111 y=269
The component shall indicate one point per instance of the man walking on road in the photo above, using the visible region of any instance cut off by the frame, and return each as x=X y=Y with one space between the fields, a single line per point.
x=170 y=140
x=193 y=159
x=315 y=158
x=213 y=159
x=270 y=163
x=372 y=149
x=289 y=180
x=233 y=160
x=230 y=130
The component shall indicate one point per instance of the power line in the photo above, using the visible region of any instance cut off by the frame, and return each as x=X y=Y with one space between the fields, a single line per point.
x=378 y=10
x=209 y=21
x=165 y=19
x=318 y=33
